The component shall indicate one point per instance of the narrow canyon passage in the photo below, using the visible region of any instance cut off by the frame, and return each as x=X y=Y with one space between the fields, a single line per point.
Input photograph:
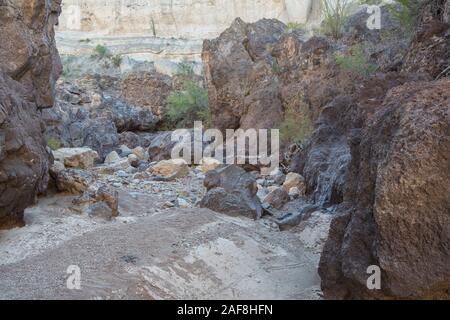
x=152 y=252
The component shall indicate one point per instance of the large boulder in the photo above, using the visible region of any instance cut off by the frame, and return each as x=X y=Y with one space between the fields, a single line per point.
x=232 y=191
x=170 y=169
x=74 y=181
x=29 y=67
x=148 y=90
x=99 y=201
x=81 y=158
x=396 y=213
x=244 y=91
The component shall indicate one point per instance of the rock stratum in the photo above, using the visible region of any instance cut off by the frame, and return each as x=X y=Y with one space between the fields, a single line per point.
x=29 y=66
x=198 y=19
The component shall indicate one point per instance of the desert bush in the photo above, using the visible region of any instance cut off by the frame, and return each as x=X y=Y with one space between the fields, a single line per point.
x=53 y=143
x=117 y=60
x=102 y=52
x=293 y=26
x=297 y=125
x=188 y=105
x=356 y=62
x=335 y=14
x=185 y=69
x=405 y=12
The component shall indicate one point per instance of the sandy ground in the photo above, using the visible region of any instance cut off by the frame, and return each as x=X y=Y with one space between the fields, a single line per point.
x=152 y=253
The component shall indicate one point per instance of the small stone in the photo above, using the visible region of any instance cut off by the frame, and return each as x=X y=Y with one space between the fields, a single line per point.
x=182 y=203
x=294 y=193
x=133 y=160
x=277 y=198
x=112 y=157
x=294 y=180
x=140 y=153
x=122 y=174
x=125 y=151
x=168 y=204
x=208 y=164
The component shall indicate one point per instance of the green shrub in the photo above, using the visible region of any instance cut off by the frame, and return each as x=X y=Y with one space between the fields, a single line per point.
x=406 y=12
x=53 y=143
x=335 y=14
x=293 y=26
x=185 y=69
x=189 y=105
x=102 y=51
x=297 y=125
x=356 y=62
x=117 y=60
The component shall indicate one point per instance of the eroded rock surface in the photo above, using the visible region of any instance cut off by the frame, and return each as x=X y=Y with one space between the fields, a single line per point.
x=232 y=191
x=29 y=66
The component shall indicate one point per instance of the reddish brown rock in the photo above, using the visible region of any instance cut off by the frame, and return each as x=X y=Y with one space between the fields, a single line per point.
x=244 y=91
x=29 y=66
x=396 y=213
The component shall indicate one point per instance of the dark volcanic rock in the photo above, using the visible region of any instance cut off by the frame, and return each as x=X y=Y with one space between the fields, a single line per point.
x=396 y=211
x=231 y=190
x=243 y=88
x=29 y=65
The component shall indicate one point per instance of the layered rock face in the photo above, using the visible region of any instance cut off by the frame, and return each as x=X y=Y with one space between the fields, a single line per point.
x=198 y=19
x=29 y=66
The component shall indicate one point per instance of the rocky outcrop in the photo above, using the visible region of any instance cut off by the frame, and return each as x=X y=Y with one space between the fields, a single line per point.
x=244 y=91
x=93 y=110
x=393 y=212
x=396 y=214
x=29 y=66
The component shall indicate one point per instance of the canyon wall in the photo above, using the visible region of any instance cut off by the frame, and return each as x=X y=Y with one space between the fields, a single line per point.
x=29 y=67
x=193 y=19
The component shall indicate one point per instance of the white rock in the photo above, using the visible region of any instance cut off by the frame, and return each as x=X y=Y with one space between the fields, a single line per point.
x=294 y=180
x=183 y=203
x=139 y=152
x=133 y=160
x=208 y=164
x=112 y=157
x=173 y=169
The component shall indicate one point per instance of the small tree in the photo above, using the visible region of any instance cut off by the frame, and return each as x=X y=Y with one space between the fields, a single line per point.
x=335 y=13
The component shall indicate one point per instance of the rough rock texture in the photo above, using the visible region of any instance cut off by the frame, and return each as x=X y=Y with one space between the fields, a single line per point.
x=29 y=66
x=82 y=158
x=277 y=198
x=430 y=49
x=244 y=91
x=74 y=181
x=396 y=215
x=232 y=191
x=193 y=19
x=92 y=110
x=170 y=169
x=99 y=201
x=148 y=90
